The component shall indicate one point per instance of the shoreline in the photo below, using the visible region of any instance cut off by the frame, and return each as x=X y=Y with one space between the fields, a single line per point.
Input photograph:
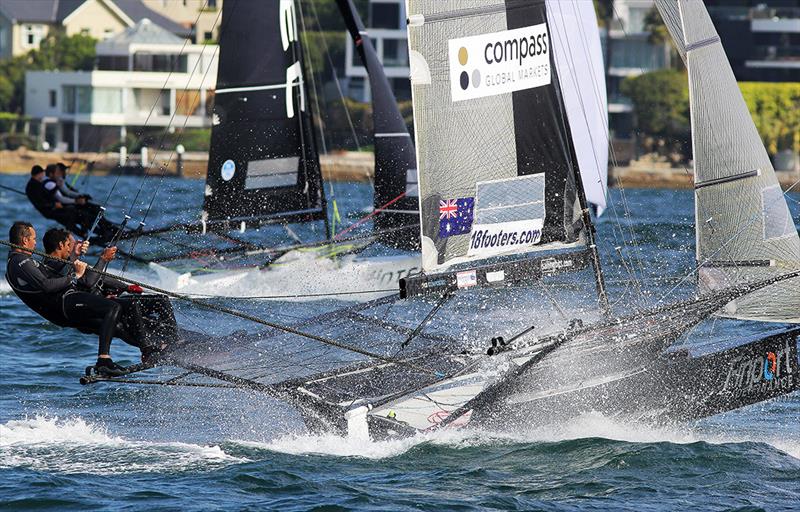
x=345 y=166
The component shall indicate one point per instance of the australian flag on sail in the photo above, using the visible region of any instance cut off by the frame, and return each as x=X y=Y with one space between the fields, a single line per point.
x=455 y=216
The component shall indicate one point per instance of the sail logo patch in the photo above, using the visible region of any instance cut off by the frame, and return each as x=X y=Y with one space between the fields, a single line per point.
x=499 y=63
x=228 y=170
x=455 y=216
x=502 y=237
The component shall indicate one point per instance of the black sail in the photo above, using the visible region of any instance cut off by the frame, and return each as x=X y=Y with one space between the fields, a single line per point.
x=396 y=191
x=263 y=163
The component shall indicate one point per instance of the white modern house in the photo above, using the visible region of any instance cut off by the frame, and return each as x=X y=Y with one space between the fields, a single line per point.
x=145 y=76
x=387 y=29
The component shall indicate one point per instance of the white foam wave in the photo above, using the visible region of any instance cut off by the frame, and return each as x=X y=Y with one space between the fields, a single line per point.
x=76 y=446
x=585 y=426
x=5 y=288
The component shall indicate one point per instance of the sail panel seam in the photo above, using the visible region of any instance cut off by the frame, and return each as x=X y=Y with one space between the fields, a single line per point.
x=702 y=43
x=741 y=263
x=727 y=179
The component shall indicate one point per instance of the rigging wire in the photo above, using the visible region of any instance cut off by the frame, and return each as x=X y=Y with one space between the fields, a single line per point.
x=335 y=76
x=152 y=108
x=710 y=258
x=132 y=251
x=334 y=204
x=236 y=313
x=612 y=153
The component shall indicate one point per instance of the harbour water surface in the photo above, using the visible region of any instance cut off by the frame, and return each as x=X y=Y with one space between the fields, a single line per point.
x=67 y=447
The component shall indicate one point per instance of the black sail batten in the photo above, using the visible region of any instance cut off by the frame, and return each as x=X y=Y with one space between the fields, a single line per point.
x=395 y=178
x=263 y=160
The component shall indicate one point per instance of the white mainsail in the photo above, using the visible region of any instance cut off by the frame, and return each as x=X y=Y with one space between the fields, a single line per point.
x=579 y=60
x=743 y=226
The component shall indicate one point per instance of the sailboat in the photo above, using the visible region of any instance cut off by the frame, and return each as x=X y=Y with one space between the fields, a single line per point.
x=264 y=168
x=502 y=208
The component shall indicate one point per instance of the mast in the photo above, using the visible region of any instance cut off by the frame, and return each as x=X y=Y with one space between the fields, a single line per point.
x=396 y=192
x=591 y=234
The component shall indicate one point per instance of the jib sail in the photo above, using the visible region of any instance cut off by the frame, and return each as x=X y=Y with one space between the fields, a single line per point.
x=396 y=192
x=743 y=226
x=498 y=173
x=263 y=161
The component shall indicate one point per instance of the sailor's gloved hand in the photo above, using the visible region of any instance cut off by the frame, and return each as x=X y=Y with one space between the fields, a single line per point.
x=134 y=288
x=109 y=253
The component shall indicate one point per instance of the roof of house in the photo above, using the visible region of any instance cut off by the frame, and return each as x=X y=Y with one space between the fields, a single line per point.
x=54 y=11
x=144 y=32
x=47 y=11
x=137 y=11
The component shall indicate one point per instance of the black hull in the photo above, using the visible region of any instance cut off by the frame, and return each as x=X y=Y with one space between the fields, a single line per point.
x=669 y=388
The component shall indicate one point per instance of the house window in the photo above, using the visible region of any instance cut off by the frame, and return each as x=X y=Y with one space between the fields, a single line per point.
x=84 y=31
x=3 y=33
x=52 y=98
x=68 y=93
x=32 y=35
x=636 y=17
x=208 y=36
x=395 y=53
x=212 y=4
x=108 y=33
x=385 y=15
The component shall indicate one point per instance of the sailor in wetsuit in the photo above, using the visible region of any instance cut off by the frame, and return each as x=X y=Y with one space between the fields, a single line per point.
x=45 y=202
x=85 y=212
x=58 y=291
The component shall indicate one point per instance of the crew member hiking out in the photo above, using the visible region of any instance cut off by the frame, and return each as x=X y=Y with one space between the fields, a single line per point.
x=46 y=204
x=69 y=294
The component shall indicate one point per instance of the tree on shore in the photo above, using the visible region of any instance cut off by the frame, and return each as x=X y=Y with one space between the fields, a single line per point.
x=661 y=104
x=56 y=51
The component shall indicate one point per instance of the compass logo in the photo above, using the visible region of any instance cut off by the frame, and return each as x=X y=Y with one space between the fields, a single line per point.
x=464 y=77
x=500 y=62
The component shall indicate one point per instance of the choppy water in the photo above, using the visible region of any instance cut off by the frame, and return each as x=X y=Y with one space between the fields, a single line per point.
x=67 y=447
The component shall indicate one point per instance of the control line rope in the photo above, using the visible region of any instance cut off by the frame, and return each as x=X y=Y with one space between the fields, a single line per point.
x=235 y=313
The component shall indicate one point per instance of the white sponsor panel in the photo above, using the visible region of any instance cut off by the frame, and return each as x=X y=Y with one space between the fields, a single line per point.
x=500 y=62
x=493 y=239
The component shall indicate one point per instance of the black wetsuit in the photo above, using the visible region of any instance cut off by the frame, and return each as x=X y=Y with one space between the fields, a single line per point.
x=45 y=202
x=52 y=291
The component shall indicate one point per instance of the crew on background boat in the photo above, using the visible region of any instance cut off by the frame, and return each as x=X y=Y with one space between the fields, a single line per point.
x=46 y=204
x=68 y=294
x=55 y=199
